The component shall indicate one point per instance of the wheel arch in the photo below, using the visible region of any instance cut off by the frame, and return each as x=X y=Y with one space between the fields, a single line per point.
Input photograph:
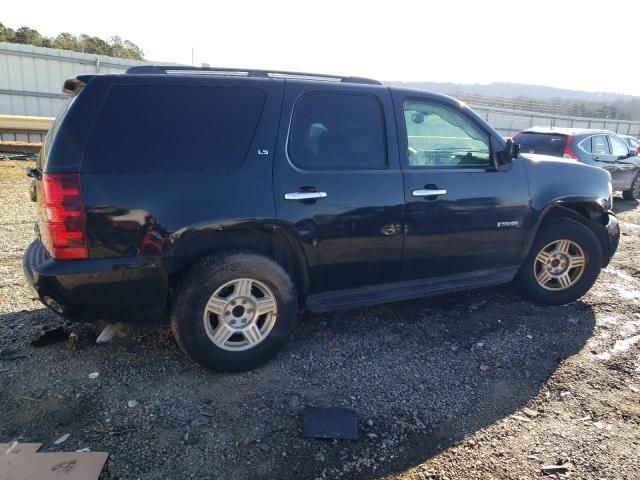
x=588 y=212
x=271 y=241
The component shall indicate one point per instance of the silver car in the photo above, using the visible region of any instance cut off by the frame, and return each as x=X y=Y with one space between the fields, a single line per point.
x=601 y=148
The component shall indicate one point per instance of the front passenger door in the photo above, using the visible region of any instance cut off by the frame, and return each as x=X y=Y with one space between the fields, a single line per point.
x=462 y=214
x=626 y=168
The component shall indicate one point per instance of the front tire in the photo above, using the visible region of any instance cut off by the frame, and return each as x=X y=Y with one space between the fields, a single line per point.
x=634 y=191
x=233 y=312
x=563 y=264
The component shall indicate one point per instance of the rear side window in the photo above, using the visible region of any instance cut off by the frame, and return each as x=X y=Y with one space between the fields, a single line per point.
x=542 y=143
x=599 y=145
x=149 y=128
x=335 y=131
x=586 y=145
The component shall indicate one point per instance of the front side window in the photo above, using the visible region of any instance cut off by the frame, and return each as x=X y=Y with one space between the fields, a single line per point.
x=599 y=145
x=439 y=136
x=336 y=131
x=618 y=147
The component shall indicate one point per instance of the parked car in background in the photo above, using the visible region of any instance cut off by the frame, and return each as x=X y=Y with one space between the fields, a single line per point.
x=601 y=148
x=227 y=201
x=632 y=142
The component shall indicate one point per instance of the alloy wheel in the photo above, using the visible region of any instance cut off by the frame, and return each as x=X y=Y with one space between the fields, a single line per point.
x=559 y=265
x=240 y=314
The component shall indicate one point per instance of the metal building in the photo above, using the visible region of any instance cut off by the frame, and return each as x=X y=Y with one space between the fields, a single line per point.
x=31 y=77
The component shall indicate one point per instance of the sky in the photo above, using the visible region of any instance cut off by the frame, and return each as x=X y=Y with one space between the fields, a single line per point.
x=593 y=46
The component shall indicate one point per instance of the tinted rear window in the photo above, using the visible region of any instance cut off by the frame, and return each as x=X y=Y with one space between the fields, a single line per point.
x=149 y=128
x=542 y=143
x=53 y=130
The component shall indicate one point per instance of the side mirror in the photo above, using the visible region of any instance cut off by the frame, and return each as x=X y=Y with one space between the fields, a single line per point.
x=511 y=150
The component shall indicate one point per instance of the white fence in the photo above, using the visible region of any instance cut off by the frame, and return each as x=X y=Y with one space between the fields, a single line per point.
x=509 y=121
x=31 y=77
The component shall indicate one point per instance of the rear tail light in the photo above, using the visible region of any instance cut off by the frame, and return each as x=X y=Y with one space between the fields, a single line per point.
x=638 y=149
x=65 y=235
x=568 y=151
x=515 y=137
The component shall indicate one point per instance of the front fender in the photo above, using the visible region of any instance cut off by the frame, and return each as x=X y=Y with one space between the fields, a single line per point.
x=566 y=181
x=566 y=188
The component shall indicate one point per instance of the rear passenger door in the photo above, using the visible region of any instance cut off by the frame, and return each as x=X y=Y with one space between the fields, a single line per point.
x=338 y=185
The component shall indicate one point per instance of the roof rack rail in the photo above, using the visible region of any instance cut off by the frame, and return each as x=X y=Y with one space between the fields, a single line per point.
x=244 y=72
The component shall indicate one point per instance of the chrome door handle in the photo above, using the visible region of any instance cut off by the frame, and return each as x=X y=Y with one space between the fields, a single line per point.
x=426 y=192
x=304 y=195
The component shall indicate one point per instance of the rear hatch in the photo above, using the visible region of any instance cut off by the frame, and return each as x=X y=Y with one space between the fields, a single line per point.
x=552 y=144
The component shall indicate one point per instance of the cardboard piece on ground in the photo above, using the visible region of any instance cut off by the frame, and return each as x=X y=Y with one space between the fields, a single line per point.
x=52 y=466
x=17 y=447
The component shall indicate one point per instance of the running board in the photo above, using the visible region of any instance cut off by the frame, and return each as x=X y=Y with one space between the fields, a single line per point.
x=395 y=292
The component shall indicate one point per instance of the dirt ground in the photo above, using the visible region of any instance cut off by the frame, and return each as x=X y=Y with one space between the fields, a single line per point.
x=480 y=385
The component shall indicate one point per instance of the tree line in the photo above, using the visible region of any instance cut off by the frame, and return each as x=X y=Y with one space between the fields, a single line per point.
x=112 y=47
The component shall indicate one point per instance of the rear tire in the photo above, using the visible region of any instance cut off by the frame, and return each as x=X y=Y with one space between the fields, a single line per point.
x=563 y=264
x=233 y=312
x=634 y=191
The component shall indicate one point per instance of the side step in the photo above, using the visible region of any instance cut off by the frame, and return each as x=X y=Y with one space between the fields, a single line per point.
x=395 y=292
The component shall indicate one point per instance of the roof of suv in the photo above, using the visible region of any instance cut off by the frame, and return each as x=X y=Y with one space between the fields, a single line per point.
x=186 y=71
x=190 y=73
x=245 y=72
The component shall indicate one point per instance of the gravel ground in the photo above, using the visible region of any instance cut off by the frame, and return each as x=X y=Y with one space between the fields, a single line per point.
x=476 y=385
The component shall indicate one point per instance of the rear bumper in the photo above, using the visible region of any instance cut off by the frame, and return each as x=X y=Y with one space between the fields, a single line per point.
x=613 y=233
x=124 y=289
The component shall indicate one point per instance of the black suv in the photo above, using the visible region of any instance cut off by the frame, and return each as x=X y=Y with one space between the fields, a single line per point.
x=227 y=201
